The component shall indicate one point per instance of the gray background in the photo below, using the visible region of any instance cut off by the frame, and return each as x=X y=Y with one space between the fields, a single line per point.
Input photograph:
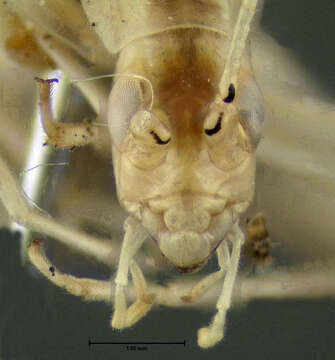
x=39 y=321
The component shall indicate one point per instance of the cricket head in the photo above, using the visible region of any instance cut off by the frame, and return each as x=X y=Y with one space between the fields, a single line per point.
x=185 y=165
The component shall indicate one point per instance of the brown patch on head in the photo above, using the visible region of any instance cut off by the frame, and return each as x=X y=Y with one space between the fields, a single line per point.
x=187 y=86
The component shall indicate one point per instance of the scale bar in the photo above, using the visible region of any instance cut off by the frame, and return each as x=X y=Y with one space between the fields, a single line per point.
x=135 y=343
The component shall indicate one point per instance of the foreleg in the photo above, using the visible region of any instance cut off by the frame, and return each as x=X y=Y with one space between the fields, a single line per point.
x=206 y=283
x=123 y=316
x=209 y=336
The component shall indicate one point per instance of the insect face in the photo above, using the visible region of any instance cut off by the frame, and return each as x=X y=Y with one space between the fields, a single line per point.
x=185 y=167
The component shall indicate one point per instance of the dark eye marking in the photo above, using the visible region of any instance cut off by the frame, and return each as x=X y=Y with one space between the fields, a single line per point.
x=231 y=94
x=159 y=141
x=216 y=128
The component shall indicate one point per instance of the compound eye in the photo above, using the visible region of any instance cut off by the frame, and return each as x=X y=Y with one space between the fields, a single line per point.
x=125 y=100
x=252 y=122
x=252 y=111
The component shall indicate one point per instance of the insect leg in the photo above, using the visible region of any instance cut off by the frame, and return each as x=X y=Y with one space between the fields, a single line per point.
x=209 y=336
x=144 y=300
x=62 y=135
x=21 y=212
x=88 y=289
x=133 y=240
x=203 y=286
